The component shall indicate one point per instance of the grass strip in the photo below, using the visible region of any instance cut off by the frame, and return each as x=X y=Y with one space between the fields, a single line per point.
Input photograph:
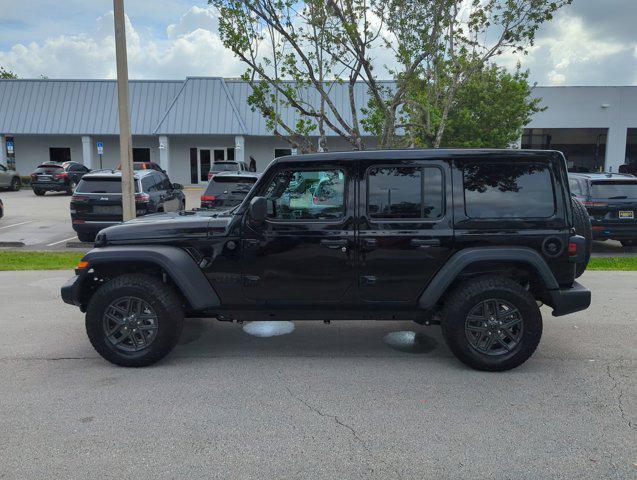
x=10 y=260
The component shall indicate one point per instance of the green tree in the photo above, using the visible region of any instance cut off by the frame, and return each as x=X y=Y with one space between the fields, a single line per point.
x=4 y=73
x=490 y=109
x=297 y=50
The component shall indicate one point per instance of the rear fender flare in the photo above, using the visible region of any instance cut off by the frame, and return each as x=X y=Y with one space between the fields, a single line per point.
x=461 y=260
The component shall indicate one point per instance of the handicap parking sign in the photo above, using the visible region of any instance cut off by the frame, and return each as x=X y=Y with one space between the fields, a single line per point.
x=100 y=148
x=9 y=146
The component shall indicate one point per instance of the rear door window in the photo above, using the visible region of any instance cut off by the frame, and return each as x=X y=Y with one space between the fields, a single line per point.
x=614 y=190
x=508 y=190
x=404 y=193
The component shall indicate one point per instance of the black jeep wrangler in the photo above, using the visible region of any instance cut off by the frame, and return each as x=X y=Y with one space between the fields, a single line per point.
x=473 y=240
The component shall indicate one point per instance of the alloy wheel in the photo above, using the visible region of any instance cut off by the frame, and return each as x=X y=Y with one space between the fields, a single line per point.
x=494 y=327
x=130 y=324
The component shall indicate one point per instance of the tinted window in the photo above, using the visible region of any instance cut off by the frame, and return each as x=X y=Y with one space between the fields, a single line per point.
x=404 y=192
x=233 y=184
x=49 y=169
x=619 y=190
x=307 y=195
x=102 y=185
x=282 y=152
x=497 y=190
x=224 y=167
x=575 y=186
x=148 y=184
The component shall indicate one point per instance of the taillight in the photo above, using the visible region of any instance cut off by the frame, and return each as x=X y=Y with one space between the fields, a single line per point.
x=142 y=198
x=208 y=198
x=79 y=198
x=58 y=176
x=572 y=249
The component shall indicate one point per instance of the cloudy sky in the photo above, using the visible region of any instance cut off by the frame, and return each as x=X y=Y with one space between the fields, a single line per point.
x=592 y=42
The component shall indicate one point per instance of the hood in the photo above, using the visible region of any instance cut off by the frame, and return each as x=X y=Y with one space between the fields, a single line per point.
x=173 y=226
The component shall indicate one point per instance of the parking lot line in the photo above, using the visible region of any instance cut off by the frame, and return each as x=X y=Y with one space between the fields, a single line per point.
x=16 y=224
x=61 y=241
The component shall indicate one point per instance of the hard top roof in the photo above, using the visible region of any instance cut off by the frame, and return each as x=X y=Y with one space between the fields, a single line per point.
x=137 y=174
x=238 y=173
x=603 y=176
x=413 y=154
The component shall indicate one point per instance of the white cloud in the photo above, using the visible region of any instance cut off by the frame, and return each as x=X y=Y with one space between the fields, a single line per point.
x=191 y=47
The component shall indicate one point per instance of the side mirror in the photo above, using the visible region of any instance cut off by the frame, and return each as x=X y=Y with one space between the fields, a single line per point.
x=178 y=186
x=259 y=209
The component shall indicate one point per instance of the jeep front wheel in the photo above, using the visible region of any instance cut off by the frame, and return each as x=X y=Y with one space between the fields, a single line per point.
x=491 y=323
x=134 y=320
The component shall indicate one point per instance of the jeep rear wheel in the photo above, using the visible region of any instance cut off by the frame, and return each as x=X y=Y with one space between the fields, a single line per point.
x=582 y=224
x=134 y=320
x=491 y=323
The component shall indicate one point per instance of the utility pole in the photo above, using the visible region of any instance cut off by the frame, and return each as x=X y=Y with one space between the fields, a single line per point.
x=125 y=141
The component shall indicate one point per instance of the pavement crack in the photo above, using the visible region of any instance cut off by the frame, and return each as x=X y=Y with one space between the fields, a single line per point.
x=340 y=423
x=620 y=404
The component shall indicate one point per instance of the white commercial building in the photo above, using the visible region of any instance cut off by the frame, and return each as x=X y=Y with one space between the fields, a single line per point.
x=186 y=125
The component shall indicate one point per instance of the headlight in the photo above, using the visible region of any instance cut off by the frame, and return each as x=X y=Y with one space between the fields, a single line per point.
x=100 y=240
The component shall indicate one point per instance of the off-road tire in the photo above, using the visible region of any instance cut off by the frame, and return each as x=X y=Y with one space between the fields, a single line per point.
x=582 y=224
x=15 y=184
x=160 y=296
x=39 y=193
x=86 y=237
x=470 y=293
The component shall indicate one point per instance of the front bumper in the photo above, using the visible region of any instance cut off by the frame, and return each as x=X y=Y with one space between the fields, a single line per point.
x=570 y=300
x=72 y=291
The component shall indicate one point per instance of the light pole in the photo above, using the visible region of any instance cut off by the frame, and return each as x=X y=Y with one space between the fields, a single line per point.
x=125 y=142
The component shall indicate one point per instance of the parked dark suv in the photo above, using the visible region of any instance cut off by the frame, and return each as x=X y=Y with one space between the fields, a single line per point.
x=611 y=202
x=57 y=177
x=227 y=166
x=226 y=190
x=97 y=202
x=472 y=240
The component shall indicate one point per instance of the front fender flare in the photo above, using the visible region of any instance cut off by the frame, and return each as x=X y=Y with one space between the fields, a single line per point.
x=177 y=263
x=459 y=261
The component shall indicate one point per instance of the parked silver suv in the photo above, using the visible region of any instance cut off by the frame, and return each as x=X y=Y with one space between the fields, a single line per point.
x=9 y=179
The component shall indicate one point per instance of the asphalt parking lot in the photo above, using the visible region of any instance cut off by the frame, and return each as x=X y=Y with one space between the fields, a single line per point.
x=44 y=223
x=323 y=401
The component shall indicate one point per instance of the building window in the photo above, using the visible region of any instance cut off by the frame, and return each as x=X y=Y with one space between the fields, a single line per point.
x=59 y=154
x=282 y=152
x=141 y=154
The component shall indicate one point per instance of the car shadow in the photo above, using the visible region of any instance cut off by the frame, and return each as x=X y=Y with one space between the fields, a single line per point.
x=211 y=338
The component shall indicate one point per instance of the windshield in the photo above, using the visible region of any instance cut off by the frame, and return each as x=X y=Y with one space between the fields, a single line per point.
x=624 y=189
x=224 y=167
x=102 y=185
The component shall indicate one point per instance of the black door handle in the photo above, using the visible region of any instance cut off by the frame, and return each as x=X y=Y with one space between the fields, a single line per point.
x=424 y=242
x=334 y=243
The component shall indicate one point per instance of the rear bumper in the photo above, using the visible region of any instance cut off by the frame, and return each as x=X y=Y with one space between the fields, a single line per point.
x=570 y=300
x=93 y=226
x=49 y=186
x=614 y=231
